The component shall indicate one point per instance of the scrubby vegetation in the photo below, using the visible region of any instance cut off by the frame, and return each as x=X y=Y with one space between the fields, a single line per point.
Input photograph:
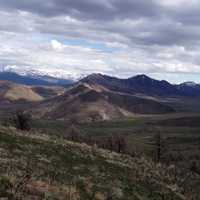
x=38 y=166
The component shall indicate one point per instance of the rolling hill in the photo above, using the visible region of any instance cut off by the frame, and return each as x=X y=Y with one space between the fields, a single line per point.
x=85 y=102
x=14 y=92
x=48 y=91
x=100 y=97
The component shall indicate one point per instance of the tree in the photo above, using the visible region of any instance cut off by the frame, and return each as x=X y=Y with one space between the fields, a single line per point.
x=22 y=121
x=116 y=143
x=109 y=143
x=120 y=143
x=158 y=147
x=73 y=133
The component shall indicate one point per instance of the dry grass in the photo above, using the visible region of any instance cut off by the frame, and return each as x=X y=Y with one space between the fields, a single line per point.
x=19 y=92
x=40 y=167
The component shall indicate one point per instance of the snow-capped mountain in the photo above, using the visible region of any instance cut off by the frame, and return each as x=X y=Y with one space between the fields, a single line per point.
x=54 y=73
x=28 y=76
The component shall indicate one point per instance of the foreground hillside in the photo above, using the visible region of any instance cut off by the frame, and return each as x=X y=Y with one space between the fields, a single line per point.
x=36 y=166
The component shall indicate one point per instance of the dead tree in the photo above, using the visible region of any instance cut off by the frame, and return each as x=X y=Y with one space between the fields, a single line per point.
x=159 y=147
x=120 y=144
x=73 y=133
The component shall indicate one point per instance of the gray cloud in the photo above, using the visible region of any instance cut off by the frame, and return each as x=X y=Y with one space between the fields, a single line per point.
x=146 y=35
x=87 y=9
x=146 y=21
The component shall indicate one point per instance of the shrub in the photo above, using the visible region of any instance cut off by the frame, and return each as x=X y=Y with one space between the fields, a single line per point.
x=22 y=121
x=5 y=187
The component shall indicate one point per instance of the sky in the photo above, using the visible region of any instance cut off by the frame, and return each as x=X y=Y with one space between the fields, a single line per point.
x=160 y=38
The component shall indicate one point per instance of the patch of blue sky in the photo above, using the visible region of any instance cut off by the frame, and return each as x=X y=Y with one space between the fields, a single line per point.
x=94 y=45
x=101 y=46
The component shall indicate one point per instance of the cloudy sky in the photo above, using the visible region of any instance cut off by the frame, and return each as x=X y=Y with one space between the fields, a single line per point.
x=160 y=38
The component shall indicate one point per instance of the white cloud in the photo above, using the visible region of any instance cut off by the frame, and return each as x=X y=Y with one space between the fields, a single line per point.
x=21 y=51
x=57 y=46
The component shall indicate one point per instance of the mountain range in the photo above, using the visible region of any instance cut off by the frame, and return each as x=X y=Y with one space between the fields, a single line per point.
x=142 y=84
x=97 y=97
x=136 y=84
x=33 y=79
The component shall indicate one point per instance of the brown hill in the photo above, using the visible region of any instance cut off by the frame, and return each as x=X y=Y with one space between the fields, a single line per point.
x=14 y=92
x=85 y=102
x=48 y=91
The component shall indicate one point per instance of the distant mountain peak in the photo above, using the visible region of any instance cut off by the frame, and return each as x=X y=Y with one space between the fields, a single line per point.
x=189 y=83
x=95 y=78
x=142 y=76
x=95 y=75
x=142 y=79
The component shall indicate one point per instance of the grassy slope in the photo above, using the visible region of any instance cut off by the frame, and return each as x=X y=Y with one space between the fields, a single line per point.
x=181 y=142
x=40 y=167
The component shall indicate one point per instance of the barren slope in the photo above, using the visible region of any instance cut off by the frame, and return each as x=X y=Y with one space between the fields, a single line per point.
x=13 y=92
x=92 y=102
